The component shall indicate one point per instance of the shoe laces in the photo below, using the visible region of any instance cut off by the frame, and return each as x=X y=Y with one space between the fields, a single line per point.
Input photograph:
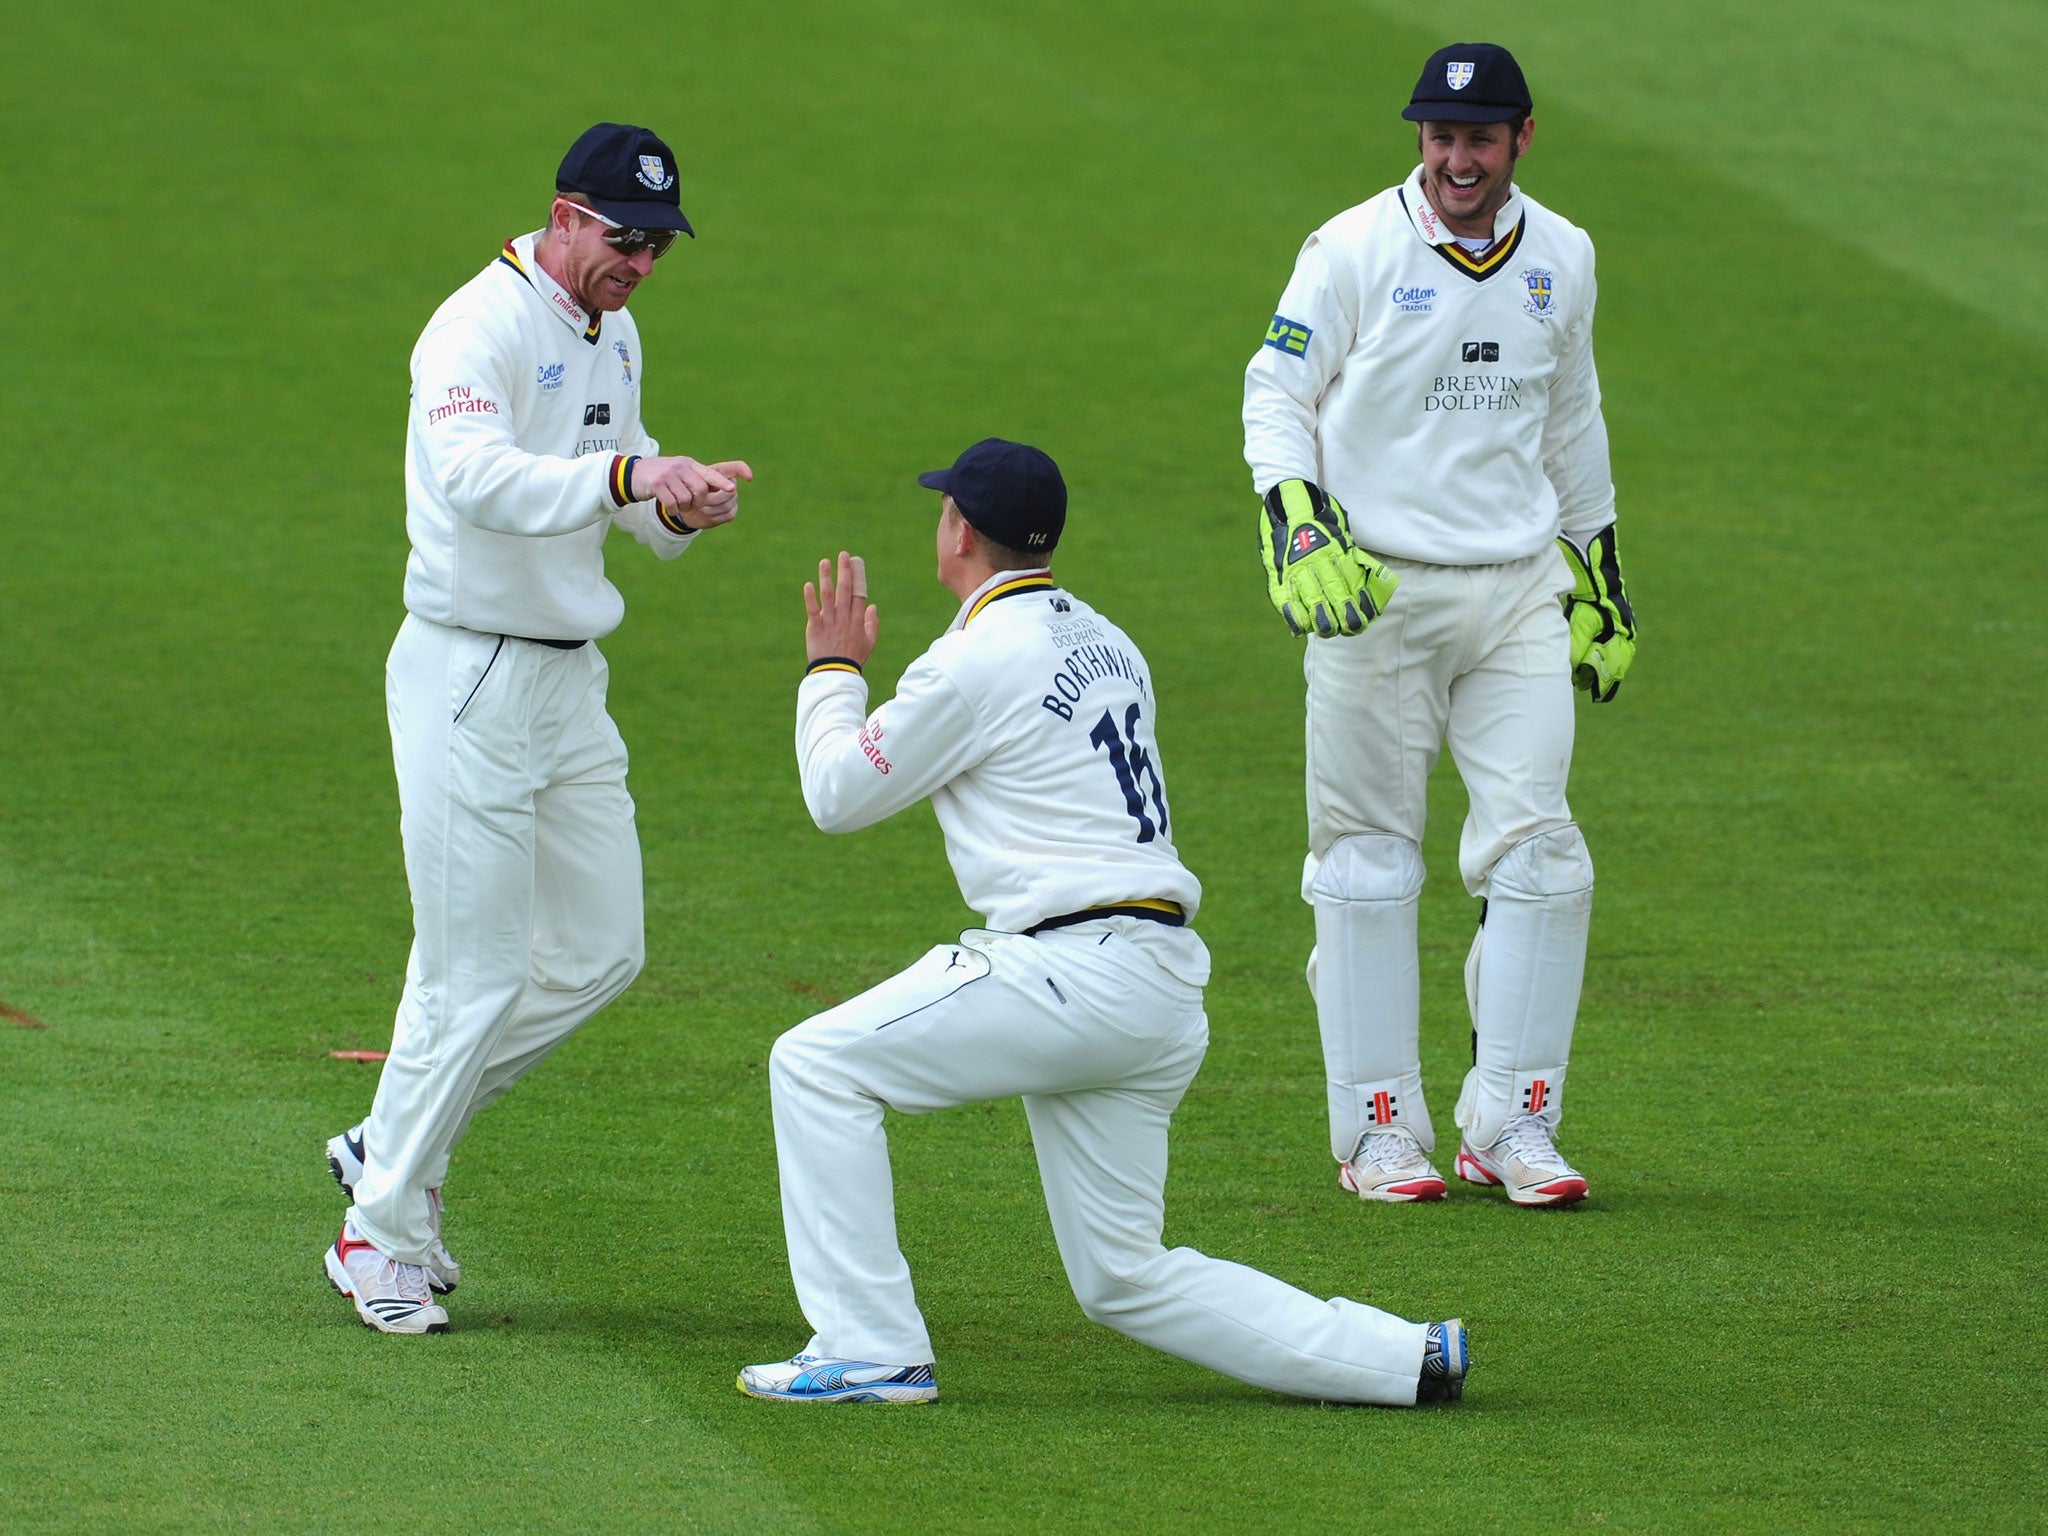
x=1528 y=1137
x=1389 y=1149
x=407 y=1280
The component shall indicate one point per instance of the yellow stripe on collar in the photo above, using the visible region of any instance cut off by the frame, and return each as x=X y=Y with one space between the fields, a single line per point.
x=1483 y=266
x=1008 y=589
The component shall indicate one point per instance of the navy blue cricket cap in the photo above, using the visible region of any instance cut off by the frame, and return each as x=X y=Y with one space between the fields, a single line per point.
x=629 y=176
x=1009 y=492
x=1469 y=83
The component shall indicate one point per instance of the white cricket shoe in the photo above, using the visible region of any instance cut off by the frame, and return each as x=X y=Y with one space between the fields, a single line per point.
x=820 y=1379
x=1527 y=1161
x=1390 y=1165
x=389 y=1296
x=345 y=1156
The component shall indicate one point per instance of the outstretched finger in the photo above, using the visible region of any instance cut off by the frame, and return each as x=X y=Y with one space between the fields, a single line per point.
x=693 y=481
x=811 y=609
x=734 y=469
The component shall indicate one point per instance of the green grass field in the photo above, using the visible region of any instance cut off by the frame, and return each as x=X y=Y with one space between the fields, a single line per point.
x=1808 y=1084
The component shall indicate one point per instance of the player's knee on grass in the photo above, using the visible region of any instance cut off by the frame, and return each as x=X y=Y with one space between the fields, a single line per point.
x=1114 y=1291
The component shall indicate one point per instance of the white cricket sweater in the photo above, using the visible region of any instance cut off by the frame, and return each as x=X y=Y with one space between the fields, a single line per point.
x=1030 y=724
x=1449 y=402
x=525 y=413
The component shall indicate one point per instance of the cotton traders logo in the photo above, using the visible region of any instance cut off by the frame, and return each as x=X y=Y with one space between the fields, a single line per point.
x=1457 y=76
x=551 y=376
x=1413 y=301
x=653 y=175
x=1542 y=301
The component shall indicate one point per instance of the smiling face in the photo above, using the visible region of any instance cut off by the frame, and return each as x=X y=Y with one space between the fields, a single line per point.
x=598 y=277
x=1468 y=169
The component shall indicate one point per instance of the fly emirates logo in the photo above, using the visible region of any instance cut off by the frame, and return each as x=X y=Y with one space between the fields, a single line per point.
x=462 y=401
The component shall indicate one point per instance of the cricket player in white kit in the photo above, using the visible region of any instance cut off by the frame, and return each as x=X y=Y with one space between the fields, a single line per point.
x=524 y=448
x=1423 y=423
x=1031 y=725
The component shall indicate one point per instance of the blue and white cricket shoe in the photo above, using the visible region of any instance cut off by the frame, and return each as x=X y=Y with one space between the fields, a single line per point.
x=1446 y=1357
x=819 y=1379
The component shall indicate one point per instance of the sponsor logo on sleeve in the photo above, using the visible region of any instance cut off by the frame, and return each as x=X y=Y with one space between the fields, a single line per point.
x=551 y=376
x=871 y=745
x=461 y=400
x=1413 y=301
x=1289 y=336
x=1542 y=286
x=1457 y=75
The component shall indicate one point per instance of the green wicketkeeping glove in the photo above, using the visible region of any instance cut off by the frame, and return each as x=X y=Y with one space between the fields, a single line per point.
x=1316 y=577
x=1597 y=608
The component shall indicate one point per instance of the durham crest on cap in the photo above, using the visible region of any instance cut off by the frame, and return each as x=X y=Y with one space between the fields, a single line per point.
x=1469 y=83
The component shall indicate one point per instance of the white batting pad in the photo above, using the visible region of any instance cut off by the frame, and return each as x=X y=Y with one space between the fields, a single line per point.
x=1368 y=988
x=1522 y=980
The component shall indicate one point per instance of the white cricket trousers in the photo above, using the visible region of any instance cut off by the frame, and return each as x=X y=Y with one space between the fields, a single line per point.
x=1479 y=656
x=1476 y=654
x=1101 y=1041
x=524 y=864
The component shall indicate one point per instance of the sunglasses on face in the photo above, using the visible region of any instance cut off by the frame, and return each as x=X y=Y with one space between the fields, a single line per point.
x=627 y=241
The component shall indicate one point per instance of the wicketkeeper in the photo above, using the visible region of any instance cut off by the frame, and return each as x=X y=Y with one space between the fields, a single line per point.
x=1423 y=424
